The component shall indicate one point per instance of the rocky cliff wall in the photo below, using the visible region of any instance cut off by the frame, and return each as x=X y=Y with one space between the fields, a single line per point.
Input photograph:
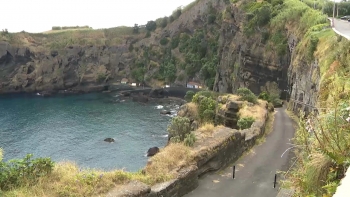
x=245 y=60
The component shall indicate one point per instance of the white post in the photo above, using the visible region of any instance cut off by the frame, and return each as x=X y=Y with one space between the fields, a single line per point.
x=333 y=15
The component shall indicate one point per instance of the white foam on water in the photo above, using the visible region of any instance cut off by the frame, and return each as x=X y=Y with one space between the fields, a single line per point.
x=159 y=107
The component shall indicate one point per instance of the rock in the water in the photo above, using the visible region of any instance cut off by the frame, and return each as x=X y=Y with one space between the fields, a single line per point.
x=164 y=112
x=152 y=151
x=109 y=140
x=140 y=98
x=126 y=94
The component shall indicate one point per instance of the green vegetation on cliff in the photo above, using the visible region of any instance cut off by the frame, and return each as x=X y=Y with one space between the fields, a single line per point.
x=322 y=144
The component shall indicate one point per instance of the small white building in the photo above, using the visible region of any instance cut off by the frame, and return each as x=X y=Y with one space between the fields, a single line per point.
x=133 y=84
x=124 y=81
x=167 y=86
x=194 y=85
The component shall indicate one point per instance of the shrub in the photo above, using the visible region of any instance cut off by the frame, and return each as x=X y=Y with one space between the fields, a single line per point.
x=190 y=139
x=245 y=123
x=22 y=172
x=175 y=42
x=164 y=41
x=179 y=127
x=101 y=77
x=206 y=109
x=131 y=48
x=208 y=94
x=211 y=18
x=264 y=96
x=247 y=95
x=208 y=115
x=189 y=95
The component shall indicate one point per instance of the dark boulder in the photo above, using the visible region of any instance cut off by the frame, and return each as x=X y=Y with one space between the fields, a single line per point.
x=164 y=112
x=158 y=93
x=152 y=151
x=140 y=98
x=125 y=93
x=109 y=140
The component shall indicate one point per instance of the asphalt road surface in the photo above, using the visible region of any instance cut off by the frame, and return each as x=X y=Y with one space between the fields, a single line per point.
x=343 y=26
x=254 y=175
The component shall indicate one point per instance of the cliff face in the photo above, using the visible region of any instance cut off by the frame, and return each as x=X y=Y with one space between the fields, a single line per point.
x=245 y=62
x=205 y=43
x=75 y=67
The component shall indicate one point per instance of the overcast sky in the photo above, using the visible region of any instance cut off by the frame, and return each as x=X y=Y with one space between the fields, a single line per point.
x=41 y=15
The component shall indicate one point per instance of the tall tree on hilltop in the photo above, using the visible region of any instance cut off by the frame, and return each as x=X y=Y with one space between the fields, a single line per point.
x=135 y=29
x=151 y=25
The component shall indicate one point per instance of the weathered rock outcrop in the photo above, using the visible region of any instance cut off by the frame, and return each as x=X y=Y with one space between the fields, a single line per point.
x=227 y=112
x=245 y=62
x=304 y=81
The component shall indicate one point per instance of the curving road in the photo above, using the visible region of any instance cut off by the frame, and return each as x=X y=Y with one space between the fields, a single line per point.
x=255 y=171
x=342 y=27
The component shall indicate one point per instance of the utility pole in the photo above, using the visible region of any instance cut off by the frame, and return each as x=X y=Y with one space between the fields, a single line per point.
x=333 y=14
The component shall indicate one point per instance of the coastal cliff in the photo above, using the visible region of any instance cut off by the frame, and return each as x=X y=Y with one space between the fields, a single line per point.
x=203 y=42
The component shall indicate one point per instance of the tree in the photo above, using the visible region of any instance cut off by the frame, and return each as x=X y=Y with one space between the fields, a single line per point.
x=164 y=22
x=5 y=32
x=151 y=25
x=135 y=29
x=170 y=72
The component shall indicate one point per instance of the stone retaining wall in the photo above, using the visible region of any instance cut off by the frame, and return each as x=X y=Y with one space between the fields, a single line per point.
x=218 y=151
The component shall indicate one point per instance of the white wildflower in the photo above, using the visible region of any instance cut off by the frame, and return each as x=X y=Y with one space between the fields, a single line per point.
x=347 y=109
x=348 y=119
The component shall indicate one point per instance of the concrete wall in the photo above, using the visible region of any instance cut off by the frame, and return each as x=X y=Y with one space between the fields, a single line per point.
x=343 y=189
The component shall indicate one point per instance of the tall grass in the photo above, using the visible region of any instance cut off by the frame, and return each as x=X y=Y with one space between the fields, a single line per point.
x=67 y=179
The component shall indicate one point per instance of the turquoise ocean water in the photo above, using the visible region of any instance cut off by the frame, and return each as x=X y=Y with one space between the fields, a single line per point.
x=72 y=128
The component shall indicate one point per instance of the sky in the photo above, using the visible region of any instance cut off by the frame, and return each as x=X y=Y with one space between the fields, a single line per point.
x=40 y=15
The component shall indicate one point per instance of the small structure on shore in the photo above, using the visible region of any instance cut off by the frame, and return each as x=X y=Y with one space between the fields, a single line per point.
x=194 y=85
x=124 y=81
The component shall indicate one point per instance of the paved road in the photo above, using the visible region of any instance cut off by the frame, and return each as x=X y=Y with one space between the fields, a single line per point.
x=255 y=171
x=342 y=27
